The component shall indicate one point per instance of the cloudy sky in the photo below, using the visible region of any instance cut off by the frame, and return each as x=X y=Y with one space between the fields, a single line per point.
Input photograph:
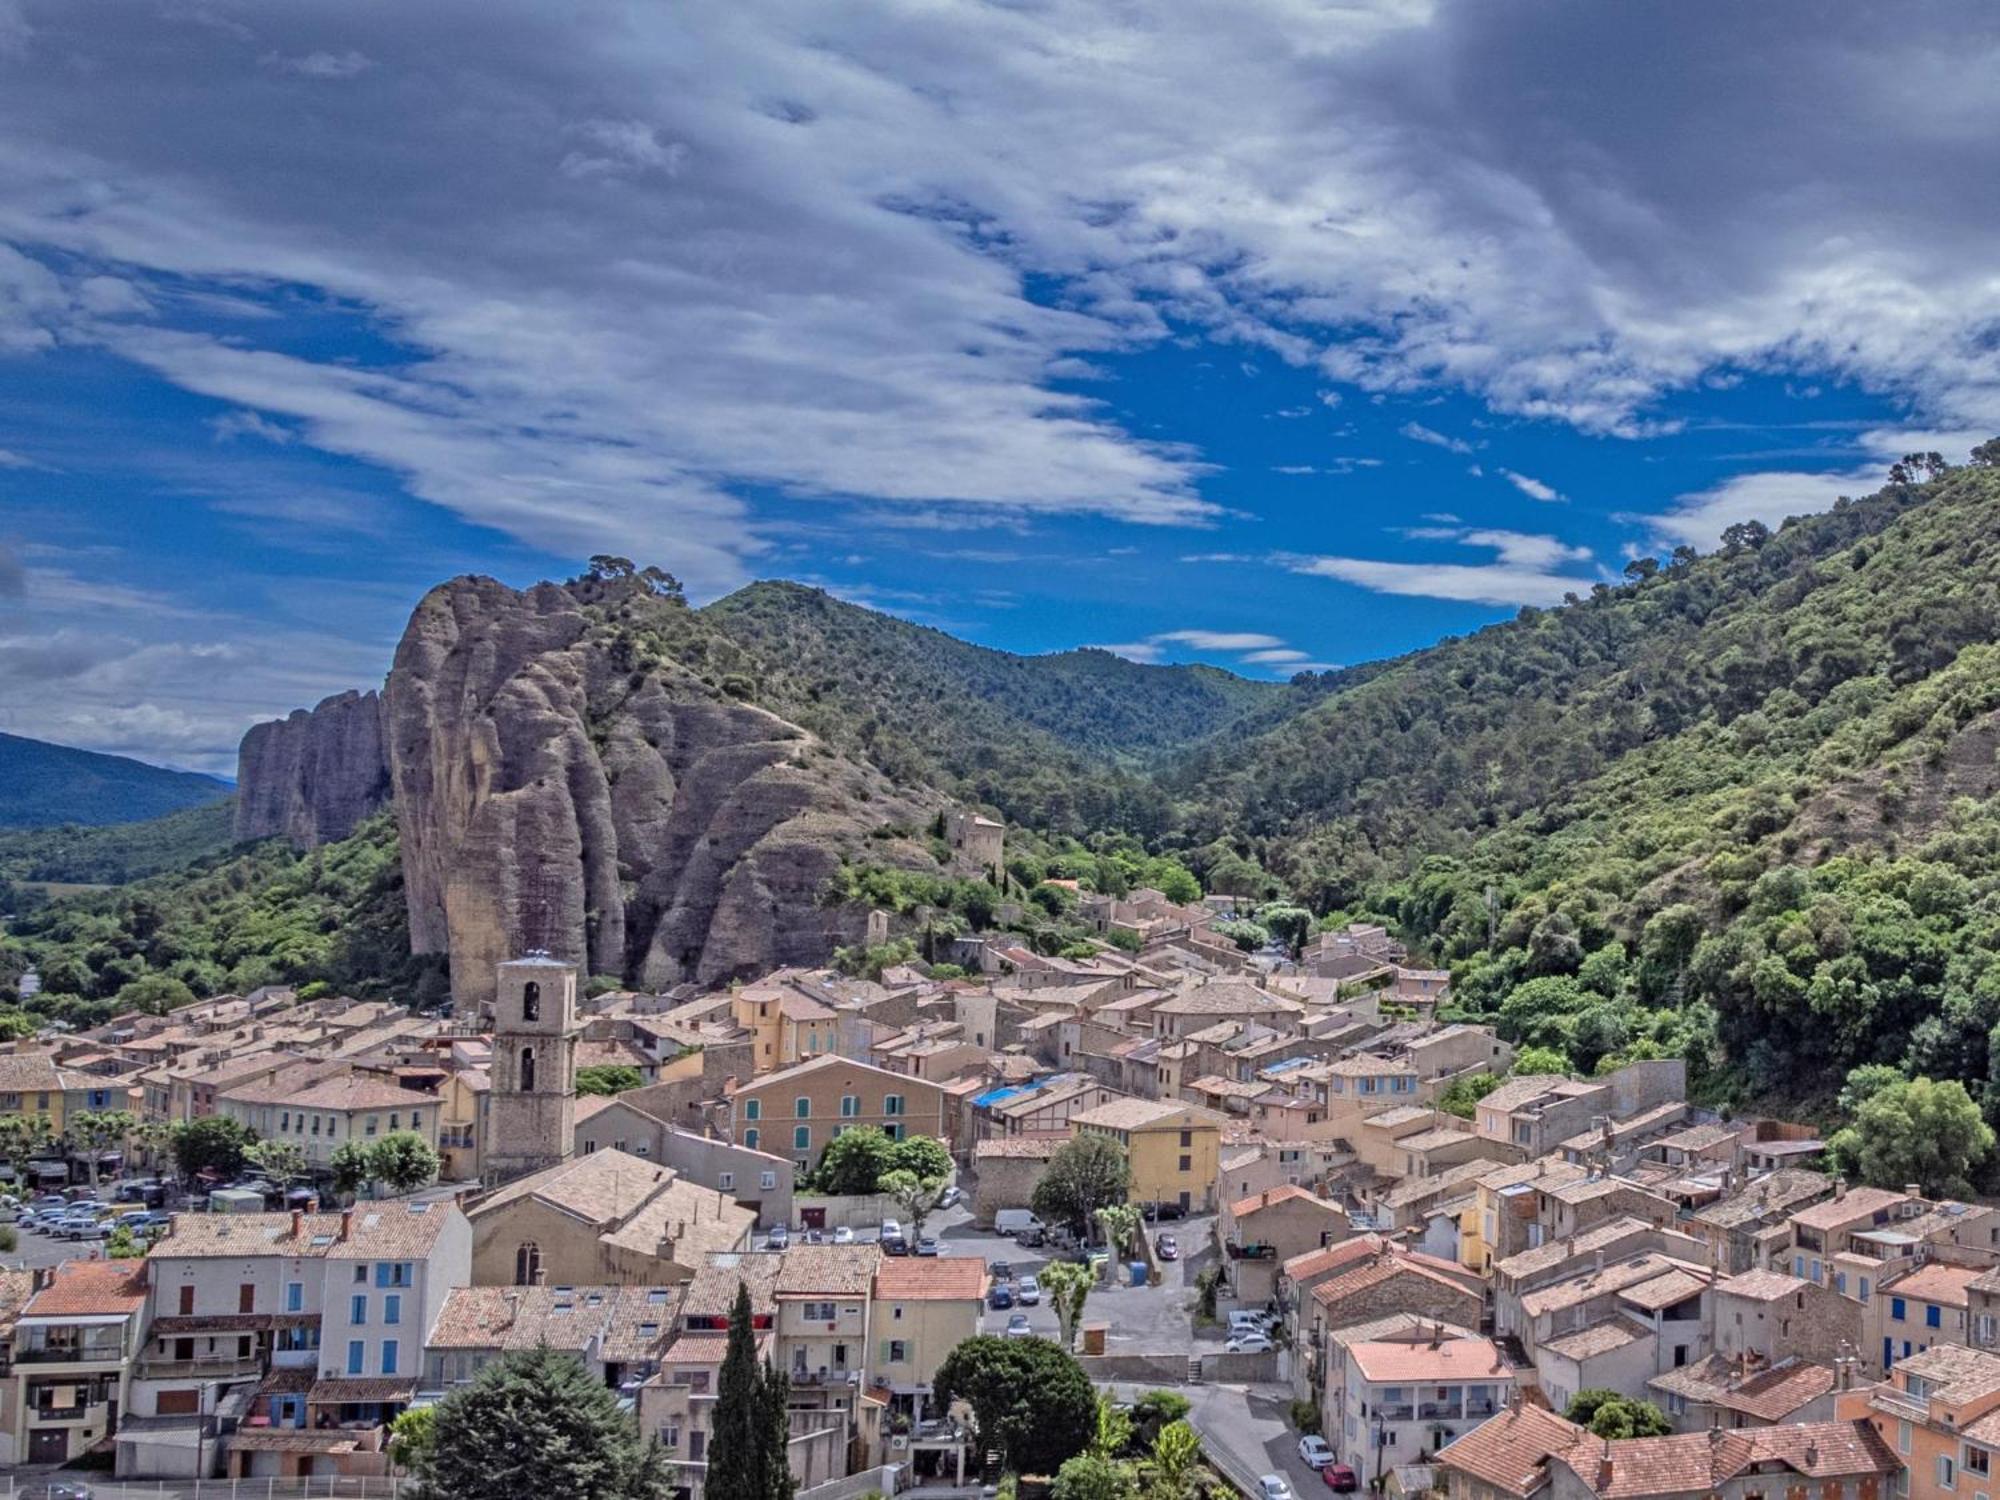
x=1270 y=334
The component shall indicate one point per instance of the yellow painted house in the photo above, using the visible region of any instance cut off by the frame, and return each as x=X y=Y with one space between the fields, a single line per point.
x=31 y=1085
x=786 y=1025
x=1175 y=1149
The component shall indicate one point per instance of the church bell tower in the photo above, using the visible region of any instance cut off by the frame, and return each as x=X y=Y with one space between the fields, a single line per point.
x=531 y=1121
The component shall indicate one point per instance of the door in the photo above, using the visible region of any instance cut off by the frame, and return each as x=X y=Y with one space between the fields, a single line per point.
x=48 y=1445
x=812 y=1218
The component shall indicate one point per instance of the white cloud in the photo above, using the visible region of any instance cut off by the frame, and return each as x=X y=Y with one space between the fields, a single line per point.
x=243 y=423
x=1416 y=432
x=1220 y=640
x=321 y=64
x=1533 y=488
x=1275 y=656
x=1698 y=520
x=1146 y=652
x=1524 y=573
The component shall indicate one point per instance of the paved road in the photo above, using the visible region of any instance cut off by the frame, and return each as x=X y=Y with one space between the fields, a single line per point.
x=1247 y=1433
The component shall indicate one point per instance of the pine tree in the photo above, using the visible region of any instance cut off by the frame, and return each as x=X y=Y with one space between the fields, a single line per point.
x=747 y=1449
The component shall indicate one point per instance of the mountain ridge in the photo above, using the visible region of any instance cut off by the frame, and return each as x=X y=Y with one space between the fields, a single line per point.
x=44 y=784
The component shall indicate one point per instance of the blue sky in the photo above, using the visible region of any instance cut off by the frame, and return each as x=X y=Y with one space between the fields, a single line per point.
x=1297 y=339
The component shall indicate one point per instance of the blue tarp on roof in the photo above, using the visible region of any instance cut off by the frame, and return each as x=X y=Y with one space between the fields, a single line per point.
x=1000 y=1096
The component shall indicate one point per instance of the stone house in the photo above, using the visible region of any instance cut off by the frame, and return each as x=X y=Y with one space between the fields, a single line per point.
x=1811 y=1458
x=1731 y=1225
x=606 y=1219
x=796 y=1111
x=618 y=1333
x=1006 y=1169
x=755 y=1179
x=1721 y=1392
x=1258 y=1234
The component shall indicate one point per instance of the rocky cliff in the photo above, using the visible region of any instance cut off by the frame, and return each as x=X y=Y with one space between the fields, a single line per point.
x=564 y=779
x=312 y=776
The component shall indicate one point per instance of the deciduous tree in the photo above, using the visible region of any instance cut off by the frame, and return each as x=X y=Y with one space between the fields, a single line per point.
x=1085 y=1174
x=1031 y=1402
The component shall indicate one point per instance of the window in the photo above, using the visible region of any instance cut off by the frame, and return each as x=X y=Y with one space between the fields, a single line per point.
x=285 y=1120
x=187 y=1301
x=357 y=1309
x=531 y=1001
x=1187 y=1139
x=1865 y=1289
x=725 y=1182
x=894 y=1132
x=374 y=1123
x=395 y=1273
x=527 y=1072
x=1947 y=1472
x=361 y=1274
x=392 y=1311
x=295 y=1296
x=1985 y=1328
x=899 y=1352
x=1897 y=1308
x=528 y=1264
x=817 y=1312
x=849 y=1106
x=246 y=1297
x=1903 y=1437
x=892 y=1104
x=802 y=1138
x=356 y=1352
x=752 y=1109
x=389 y=1354
x=1187 y=1163
x=767 y=1180
x=1840 y=1282
x=802 y=1108
x=750 y=1141
x=1978 y=1461
x=1933 y=1316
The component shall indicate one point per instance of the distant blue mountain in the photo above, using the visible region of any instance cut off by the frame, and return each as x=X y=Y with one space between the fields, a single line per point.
x=43 y=784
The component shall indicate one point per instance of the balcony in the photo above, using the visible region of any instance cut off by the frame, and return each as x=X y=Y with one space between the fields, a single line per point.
x=208 y=1367
x=1252 y=1252
x=108 y=1354
x=825 y=1375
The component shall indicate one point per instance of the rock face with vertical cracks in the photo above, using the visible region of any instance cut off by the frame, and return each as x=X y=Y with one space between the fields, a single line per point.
x=560 y=783
x=313 y=775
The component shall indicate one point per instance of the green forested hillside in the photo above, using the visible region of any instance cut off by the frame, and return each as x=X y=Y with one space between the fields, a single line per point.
x=117 y=852
x=262 y=914
x=1060 y=742
x=1750 y=796
x=43 y=784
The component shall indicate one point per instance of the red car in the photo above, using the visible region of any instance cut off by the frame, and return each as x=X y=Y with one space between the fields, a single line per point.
x=1340 y=1479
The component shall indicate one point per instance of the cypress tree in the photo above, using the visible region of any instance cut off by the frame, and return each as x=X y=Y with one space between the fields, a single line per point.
x=736 y=1456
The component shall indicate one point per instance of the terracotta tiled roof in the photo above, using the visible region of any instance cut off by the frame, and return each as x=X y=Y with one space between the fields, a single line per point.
x=711 y=1293
x=1332 y=1257
x=1698 y=1463
x=1516 y=1092
x=1511 y=1452
x=393 y=1230
x=1291 y=1192
x=90 y=1288
x=931 y=1278
x=1859 y=1203
x=1599 y=1338
x=1028 y=1147
x=1612 y=1278
x=1138 y=1114
x=830 y=1270
x=1774 y=1394
x=1424 y=1363
x=383 y=1388
x=1936 y=1282
x=1330 y=1294
x=1664 y=1291
x=1761 y=1286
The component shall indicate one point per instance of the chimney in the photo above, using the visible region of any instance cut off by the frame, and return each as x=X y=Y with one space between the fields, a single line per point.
x=1812 y=1455
x=1839 y=1188
x=1914 y=1189
x=346 y=1223
x=298 y=1222
x=1597 y=1259
x=1604 y=1468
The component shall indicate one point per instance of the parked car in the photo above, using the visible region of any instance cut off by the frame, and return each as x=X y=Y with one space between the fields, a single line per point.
x=951 y=1197
x=1249 y=1343
x=1242 y=1320
x=896 y=1246
x=1000 y=1270
x=1000 y=1297
x=891 y=1230
x=815 y=1237
x=1340 y=1478
x=67 y=1489
x=929 y=1246
x=1029 y=1292
x=1167 y=1247
x=1163 y=1211
x=1315 y=1451
x=843 y=1236
x=1017 y=1327
x=83 y=1229
x=1274 y=1487
x=780 y=1238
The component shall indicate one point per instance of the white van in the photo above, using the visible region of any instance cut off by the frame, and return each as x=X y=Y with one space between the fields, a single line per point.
x=1019 y=1222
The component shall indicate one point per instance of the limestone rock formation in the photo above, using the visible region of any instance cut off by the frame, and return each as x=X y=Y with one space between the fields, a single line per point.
x=315 y=774
x=561 y=783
